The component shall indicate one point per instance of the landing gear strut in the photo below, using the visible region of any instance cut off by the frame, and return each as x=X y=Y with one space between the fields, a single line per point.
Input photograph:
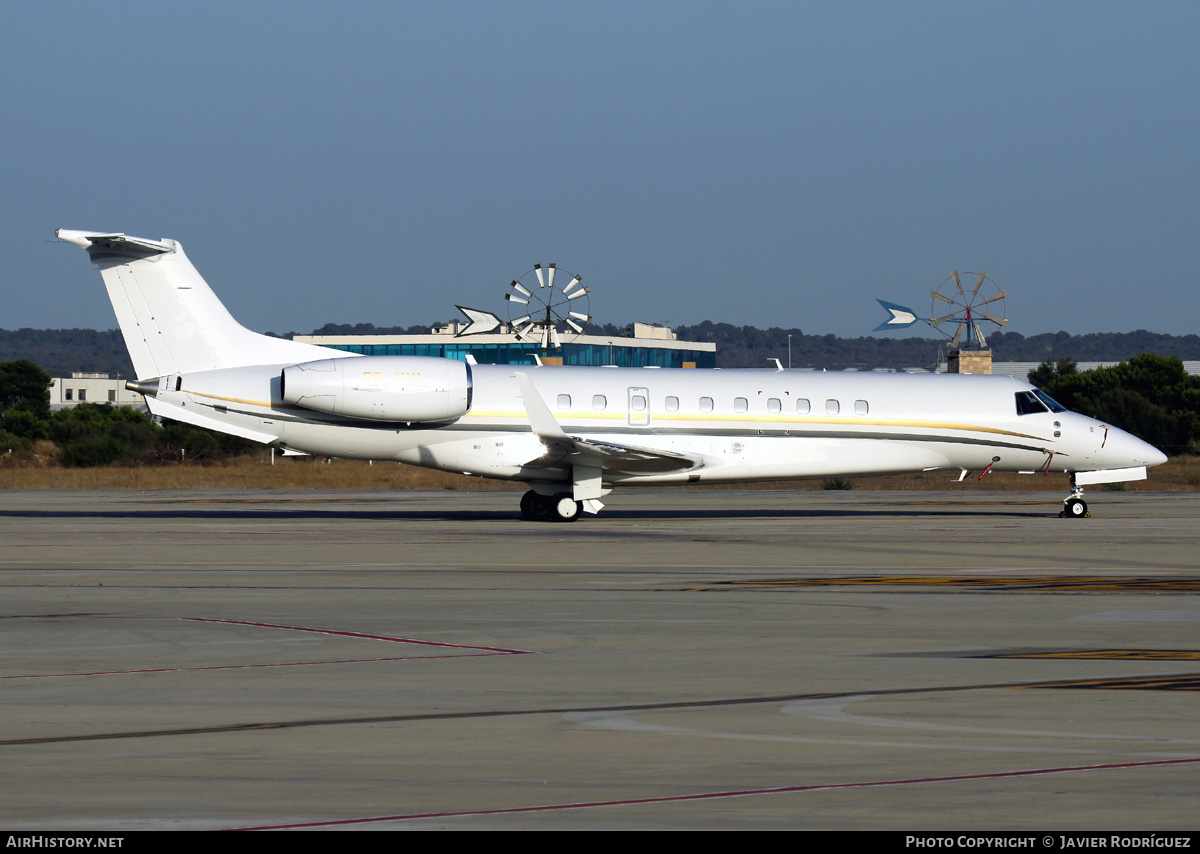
x=1074 y=507
x=544 y=508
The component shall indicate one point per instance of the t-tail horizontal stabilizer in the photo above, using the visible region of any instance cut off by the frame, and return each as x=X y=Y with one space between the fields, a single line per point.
x=171 y=320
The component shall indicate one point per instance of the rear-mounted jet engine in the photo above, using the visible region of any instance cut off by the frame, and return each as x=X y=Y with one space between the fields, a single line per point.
x=412 y=389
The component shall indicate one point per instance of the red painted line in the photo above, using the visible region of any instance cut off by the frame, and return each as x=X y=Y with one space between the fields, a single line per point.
x=364 y=636
x=244 y=666
x=736 y=793
x=476 y=651
x=356 y=635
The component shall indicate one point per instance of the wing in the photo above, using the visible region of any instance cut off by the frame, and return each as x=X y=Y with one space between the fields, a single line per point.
x=610 y=456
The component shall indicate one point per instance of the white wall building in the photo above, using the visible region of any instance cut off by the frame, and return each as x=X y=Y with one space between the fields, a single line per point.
x=87 y=387
x=1021 y=370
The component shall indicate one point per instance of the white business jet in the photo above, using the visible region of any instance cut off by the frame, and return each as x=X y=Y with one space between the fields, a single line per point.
x=574 y=433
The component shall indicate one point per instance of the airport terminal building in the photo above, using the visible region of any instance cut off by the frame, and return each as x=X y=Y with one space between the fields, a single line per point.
x=650 y=347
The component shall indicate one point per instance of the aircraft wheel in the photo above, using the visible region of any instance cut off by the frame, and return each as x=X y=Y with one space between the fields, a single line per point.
x=565 y=507
x=1076 y=508
x=535 y=507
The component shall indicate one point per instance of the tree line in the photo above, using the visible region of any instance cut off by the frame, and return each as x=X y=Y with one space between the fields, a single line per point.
x=1150 y=396
x=91 y=434
x=61 y=351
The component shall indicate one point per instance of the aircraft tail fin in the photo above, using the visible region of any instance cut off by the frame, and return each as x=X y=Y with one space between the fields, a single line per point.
x=172 y=321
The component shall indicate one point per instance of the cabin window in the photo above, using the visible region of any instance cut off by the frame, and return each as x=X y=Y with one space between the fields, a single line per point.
x=773 y=404
x=564 y=401
x=68 y=393
x=740 y=404
x=1029 y=404
x=638 y=402
x=599 y=402
x=672 y=404
x=832 y=407
x=706 y=404
x=803 y=407
x=861 y=408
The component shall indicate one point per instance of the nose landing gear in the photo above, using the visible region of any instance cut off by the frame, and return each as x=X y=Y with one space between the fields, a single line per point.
x=1074 y=507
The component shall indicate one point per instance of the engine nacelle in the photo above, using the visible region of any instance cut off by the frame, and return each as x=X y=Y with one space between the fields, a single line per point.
x=382 y=388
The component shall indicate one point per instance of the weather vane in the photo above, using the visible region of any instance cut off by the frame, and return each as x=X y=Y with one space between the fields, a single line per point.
x=965 y=309
x=537 y=312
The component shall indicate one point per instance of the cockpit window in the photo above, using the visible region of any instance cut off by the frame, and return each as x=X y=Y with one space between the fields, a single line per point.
x=1054 y=405
x=1029 y=404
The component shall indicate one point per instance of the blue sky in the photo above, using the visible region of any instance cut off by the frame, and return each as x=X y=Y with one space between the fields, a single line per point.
x=774 y=164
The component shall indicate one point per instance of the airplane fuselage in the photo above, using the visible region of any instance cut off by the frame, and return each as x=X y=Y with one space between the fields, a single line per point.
x=739 y=425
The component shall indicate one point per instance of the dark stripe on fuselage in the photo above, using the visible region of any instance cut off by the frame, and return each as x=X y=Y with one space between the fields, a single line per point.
x=319 y=419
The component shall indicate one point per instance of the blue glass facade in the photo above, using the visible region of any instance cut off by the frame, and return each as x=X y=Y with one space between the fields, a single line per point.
x=593 y=355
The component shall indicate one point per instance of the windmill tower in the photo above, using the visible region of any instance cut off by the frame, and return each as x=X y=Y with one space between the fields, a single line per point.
x=968 y=352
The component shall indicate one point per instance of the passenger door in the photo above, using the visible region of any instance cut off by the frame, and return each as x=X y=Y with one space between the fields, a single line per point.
x=639 y=407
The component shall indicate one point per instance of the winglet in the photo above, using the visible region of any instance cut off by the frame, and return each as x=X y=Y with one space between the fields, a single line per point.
x=541 y=419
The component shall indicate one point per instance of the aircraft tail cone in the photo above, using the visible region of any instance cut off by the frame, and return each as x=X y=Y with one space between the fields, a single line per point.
x=146 y=388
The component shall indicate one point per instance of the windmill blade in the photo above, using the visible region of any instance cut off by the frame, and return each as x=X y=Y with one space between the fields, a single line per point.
x=550 y=277
x=962 y=325
x=571 y=323
x=1000 y=295
x=554 y=338
x=579 y=293
x=586 y=318
x=545 y=337
x=512 y=298
x=999 y=321
x=522 y=288
x=939 y=321
x=524 y=333
x=958 y=283
x=979 y=337
x=537 y=268
x=575 y=281
x=519 y=320
x=978 y=284
x=936 y=295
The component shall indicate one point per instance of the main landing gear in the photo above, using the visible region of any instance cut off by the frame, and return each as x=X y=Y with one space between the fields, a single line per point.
x=545 y=508
x=1074 y=507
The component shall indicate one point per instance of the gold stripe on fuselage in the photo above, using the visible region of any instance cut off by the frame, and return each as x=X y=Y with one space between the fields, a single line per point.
x=693 y=418
x=780 y=419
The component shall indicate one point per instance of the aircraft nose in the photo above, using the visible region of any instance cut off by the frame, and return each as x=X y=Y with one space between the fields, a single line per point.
x=1133 y=451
